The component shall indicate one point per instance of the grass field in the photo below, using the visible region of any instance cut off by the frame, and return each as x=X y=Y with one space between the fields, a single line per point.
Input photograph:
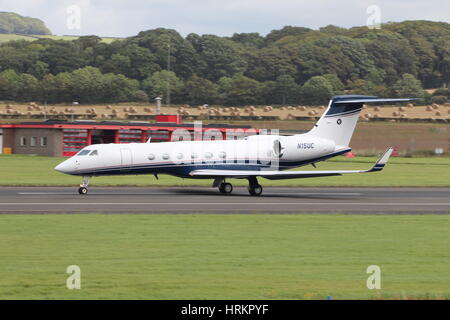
x=224 y=256
x=25 y=170
x=9 y=37
x=104 y=39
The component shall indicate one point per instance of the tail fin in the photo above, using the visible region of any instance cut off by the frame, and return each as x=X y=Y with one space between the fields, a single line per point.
x=339 y=120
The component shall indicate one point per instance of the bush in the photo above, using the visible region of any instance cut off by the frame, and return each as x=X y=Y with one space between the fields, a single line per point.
x=140 y=96
x=439 y=99
x=442 y=92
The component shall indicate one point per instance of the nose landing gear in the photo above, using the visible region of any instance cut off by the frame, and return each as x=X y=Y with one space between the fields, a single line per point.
x=82 y=190
x=84 y=184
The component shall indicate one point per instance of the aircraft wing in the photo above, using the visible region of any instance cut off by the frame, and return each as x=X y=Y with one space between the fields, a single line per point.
x=277 y=175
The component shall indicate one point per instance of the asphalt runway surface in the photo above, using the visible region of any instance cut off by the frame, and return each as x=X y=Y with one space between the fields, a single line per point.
x=29 y=200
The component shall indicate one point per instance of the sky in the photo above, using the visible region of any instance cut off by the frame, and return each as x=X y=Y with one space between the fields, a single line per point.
x=122 y=18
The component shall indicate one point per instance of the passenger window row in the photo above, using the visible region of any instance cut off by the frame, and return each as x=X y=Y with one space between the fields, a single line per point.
x=208 y=155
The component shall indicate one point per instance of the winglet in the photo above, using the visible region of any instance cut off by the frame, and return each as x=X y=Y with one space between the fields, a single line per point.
x=381 y=162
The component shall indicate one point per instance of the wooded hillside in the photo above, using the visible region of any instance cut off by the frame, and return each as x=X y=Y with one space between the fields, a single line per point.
x=294 y=65
x=11 y=22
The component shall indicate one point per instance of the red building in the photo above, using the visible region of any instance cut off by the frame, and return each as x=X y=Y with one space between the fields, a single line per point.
x=64 y=138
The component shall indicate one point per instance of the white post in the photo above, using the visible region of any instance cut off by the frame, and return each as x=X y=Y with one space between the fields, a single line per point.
x=158 y=105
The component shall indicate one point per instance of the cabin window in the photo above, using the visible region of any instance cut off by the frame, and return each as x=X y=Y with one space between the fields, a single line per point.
x=83 y=152
x=151 y=156
x=208 y=155
x=194 y=155
x=165 y=156
x=94 y=153
x=43 y=141
x=222 y=155
x=33 y=141
x=180 y=156
x=23 y=141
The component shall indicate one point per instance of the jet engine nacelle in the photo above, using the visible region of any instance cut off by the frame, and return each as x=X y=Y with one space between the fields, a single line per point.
x=303 y=147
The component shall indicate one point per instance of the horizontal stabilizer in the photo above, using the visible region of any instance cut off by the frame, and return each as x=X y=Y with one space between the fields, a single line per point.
x=377 y=100
x=277 y=175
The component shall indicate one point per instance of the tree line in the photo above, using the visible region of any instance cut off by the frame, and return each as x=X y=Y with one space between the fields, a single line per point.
x=293 y=65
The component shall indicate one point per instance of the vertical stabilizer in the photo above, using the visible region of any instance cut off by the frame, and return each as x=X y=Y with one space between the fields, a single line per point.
x=339 y=120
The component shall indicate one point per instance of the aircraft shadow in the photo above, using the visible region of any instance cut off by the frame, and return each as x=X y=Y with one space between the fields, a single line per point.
x=264 y=195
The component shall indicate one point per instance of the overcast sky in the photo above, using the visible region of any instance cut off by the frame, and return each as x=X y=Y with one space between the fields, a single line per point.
x=123 y=18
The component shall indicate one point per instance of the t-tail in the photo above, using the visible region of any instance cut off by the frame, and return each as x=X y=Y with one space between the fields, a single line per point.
x=339 y=120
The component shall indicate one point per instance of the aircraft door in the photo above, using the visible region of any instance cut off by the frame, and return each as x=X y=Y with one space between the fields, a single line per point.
x=126 y=159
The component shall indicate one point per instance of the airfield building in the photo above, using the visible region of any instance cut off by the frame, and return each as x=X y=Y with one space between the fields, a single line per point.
x=66 y=138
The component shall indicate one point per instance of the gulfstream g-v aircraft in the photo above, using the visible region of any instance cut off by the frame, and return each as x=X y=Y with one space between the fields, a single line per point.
x=266 y=156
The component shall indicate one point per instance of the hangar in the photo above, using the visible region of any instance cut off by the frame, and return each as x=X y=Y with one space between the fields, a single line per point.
x=66 y=138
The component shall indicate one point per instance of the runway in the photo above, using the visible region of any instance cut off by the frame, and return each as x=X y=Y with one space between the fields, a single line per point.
x=178 y=200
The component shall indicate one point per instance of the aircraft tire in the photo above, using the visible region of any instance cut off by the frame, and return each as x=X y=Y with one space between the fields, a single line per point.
x=226 y=188
x=82 y=190
x=255 y=190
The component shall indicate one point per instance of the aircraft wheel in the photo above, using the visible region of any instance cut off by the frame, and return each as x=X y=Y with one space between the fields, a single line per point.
x=82 y=190
x=226 y=188
x=255 y=190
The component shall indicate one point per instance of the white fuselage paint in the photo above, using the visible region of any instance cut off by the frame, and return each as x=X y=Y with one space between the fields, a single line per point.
x=179 y=158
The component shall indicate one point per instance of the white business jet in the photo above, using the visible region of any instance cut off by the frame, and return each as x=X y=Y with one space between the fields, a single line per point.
x=266 y=156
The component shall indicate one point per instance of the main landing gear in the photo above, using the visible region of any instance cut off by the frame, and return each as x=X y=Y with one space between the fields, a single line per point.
x=84 y=184
x=224 y=187
x=254 y=188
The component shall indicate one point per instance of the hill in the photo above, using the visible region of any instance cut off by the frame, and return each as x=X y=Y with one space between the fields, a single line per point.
x=11 y=23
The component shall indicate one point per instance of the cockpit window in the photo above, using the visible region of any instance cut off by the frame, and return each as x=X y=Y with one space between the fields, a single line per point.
x=83 y=152
x=94 y=153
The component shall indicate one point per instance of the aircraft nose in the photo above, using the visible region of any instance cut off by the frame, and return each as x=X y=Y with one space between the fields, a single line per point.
x=63 y=167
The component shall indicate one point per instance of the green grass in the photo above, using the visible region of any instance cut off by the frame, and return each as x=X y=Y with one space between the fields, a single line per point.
x=224 y=256
x=104 y=39
x=9 y=37
x=25 y=170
